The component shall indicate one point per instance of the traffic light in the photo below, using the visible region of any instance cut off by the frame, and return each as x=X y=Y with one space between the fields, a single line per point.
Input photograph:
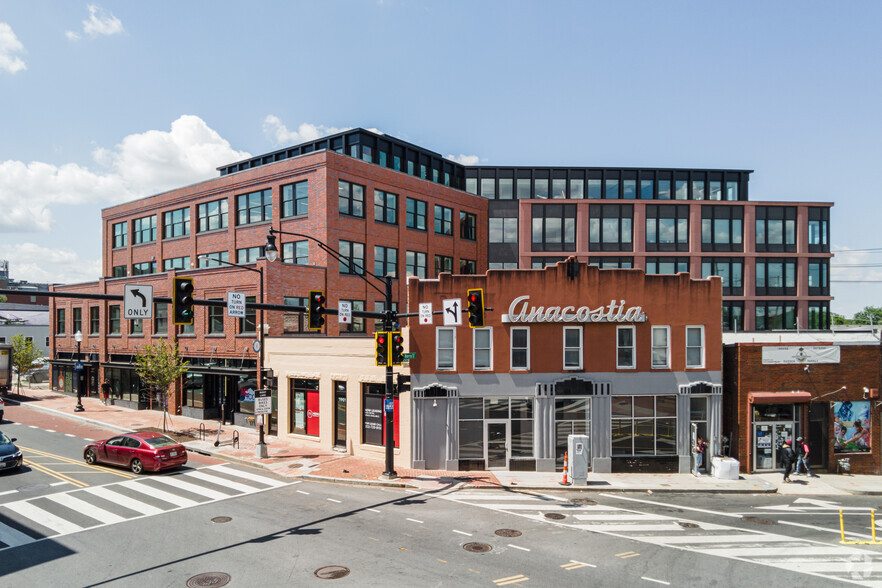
x=182 y=301
x=382 y=343
x=397 y=342
x=316 y=310
x=476 y=308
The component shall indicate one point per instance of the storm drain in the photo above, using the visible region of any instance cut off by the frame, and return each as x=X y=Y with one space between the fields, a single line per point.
x=686 y=525
x=295 y=466
x=477 y=547
x=555 y=516
x=209 y=579
x=332 y=572
x=758 y=520
x=508 y=532
x=221 y=519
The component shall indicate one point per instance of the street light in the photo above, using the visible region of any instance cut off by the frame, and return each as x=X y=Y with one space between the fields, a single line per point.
x=390 y=317
x=78 y=337
x=261 y=451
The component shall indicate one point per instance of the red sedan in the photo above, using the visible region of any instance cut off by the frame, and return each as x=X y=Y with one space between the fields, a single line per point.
x=138 y=452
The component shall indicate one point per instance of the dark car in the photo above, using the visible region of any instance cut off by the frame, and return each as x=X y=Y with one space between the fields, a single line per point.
x=10 y=455
x=138 y=452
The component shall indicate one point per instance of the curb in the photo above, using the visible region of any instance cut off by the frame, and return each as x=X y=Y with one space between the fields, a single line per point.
x=608 y=490
x=353 y=482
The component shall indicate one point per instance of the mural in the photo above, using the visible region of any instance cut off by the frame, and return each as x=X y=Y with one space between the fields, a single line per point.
x=851 y=426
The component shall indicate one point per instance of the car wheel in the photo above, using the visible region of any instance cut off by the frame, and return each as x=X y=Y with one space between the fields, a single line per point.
x=136 y=466
x=91 y=458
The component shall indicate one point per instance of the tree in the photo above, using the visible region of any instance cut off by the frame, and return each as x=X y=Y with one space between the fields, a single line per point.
x=25 y=356
x=160 y=365
x=839 y=319
x=870 y=315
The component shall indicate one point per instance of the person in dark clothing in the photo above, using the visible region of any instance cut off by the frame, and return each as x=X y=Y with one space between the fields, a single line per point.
x=105 y=390
x=788 y=456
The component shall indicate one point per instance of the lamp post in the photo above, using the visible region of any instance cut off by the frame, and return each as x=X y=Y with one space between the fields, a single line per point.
x=389 y=317
x=261 y=451
x=78 y=337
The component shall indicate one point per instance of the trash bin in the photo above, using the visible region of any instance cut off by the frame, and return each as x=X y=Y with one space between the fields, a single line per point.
x=844 y=465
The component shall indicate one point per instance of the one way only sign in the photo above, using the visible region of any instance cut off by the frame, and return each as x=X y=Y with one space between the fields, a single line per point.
x=138 y=302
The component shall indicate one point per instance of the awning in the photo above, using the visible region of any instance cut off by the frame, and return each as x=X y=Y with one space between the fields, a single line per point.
x=778 y=397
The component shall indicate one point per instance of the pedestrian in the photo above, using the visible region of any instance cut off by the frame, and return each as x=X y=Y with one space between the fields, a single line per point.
x=787 y=458
x=802 y=457
x=698 y=450
x=105 y=390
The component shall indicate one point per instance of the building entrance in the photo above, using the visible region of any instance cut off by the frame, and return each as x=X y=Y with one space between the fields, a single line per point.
x=497 y=444
x=768 y=438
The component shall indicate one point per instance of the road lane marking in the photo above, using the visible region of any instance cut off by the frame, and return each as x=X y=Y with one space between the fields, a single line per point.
x=627 y=554
x=415 y=521
x=194 y=488
x=13 y=537
x=518 y=547
x=664 y=504
x=54 y=474
x=334 y=500
x=148 y=490
x=575 y=565
x=462 y=533
x=475 y=571
x=69 y=435
x=372 y=509
x=124 y=500
x=654 y=580
x=43 y=517
x=81 y=506
x=249 y=476
x=199 y=475
x=441 y=560
x=511 y=580
x=836 y=531
x=79 y=463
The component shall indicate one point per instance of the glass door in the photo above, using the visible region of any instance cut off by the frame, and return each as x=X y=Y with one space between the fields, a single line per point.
x=340 y=414
x=768 y=438
x=496 y=433
x=783 y=432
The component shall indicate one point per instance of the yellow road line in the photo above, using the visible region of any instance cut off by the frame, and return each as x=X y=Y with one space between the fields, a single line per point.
x=627 y=554
x=511 y=580
x=54 y=474
x=67 y=460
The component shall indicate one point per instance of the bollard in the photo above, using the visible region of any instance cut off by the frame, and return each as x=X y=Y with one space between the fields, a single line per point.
x=565 y=483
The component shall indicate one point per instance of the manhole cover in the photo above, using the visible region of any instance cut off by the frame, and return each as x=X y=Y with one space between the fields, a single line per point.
x=758 y=520
x=477 y=547
x=555 y=516
x=332 y=572
x=508 y=532
x=209 y=579
x=32 y=488
x=687 y=525
x=221 y=519
x=295 y=466
x=584 y=501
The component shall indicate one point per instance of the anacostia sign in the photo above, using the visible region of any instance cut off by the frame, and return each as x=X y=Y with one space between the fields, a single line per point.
x=519 y=311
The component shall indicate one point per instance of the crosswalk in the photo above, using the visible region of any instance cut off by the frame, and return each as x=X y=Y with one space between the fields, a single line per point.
x=832 y=561
x=53 y=515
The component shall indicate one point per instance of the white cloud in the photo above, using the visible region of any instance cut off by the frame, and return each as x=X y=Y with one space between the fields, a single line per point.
x=100 y=22
x=141 y=165
x=464 y=159
x=38 y=264
x=279 y=134
x=10 y=48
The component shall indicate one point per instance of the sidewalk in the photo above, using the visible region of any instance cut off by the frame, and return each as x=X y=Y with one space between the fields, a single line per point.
x=288 y=458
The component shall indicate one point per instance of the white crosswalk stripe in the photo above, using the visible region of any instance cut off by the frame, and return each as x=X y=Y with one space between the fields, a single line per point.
x=832 y=561
x=26 y=521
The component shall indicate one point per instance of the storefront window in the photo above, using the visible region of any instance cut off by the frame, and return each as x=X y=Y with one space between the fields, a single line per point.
x=471 y=428
x=305 y=407
x=570 y=418
x=194 y=390
x=644 y=425
x=772 y=412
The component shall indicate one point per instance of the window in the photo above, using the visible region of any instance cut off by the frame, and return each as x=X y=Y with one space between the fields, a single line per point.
x=120 y=235
x=445 y=348
x=351 y=257
x=214 y=259
x=304 y=405
x=385 y=207
x=819 y=315
x=523 y=188
x=443 y=220
x=502 y=265
x=647 y=189
x=506 y=188
x=733 y=316
x=660 y=355
x=610 y=227
x=606 y=262
x=818 y=282
x=667 y=265
x=385 y=261
x=468 y=226
x=120 y=271
x=772 y=316
x=554 y=227
x=504 y=230
x=114 y=324
x=248 y=323
x=667 y=227
x=681 y=190
x=644 y=425
x=818 y=230
x=483 y=348
x=611 y=189
x=716 y=190
x=255 y=207
x=293 y=321
x=176 y=263
x=176 y=223
x=77 y=317
x=468 y=266
x=471 y=429
x=472 y=185
x=698 y=414
x=541 y=262
x=296 y=252
x=775 y=277
x=520 y=348
x=136 y=327
x=144 y=230
x=694 y=347
x=212 y=215
x=249 y=254
x=215 y=319
x=160 y=318
x=295 y=199
x=443 y=263
x=488 y=188
x=731 y=270
x=625 y=353
x=143 y=269
x=722 y=228
x=94 y=320
x=775 y=228
x=415 y=264
x=698 y=190
x=731 y=190
x=572 y=348
x=380 y=307
x=357 y=324
x=416 y=214
x=351 y=198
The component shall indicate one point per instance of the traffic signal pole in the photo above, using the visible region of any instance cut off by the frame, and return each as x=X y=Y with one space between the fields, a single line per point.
x=389 y=415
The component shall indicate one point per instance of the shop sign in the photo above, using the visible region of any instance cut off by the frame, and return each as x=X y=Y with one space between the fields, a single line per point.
x=791 y=354
x=614 y=312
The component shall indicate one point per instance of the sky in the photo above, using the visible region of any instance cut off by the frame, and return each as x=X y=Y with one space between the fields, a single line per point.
x=103 y=103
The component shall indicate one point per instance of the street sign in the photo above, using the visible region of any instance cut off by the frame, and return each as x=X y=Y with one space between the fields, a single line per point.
x=389 y=404
x=425 y=313
x=263 y=402
x=344 y=312
x=78 y=366
x=408 y=356
x=453 y=312
x=138 y=302
x=236 y=304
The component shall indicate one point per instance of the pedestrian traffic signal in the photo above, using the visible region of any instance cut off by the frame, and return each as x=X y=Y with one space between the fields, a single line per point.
x=381 y=339
x=182 y=301
x=316 y=310
x=397 y=342
x=476 y=308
